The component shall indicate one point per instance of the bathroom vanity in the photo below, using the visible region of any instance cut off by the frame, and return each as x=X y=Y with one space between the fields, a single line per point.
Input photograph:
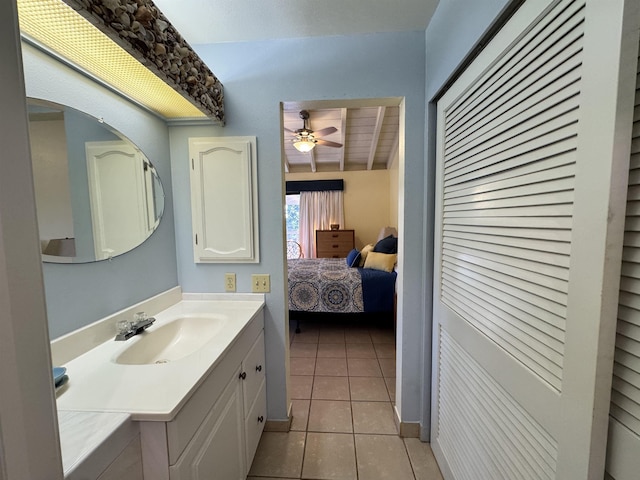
x=192 y=388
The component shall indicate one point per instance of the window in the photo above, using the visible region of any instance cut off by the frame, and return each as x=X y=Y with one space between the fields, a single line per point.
x=292 y=217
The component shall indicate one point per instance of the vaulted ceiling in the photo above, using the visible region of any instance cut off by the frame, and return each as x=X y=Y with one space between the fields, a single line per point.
x=369 y=136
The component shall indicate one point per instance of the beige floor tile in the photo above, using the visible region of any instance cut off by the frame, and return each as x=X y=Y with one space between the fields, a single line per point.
x=372 y=389
x=332 y=367
x=382 y=336
x=364 y=367
x=269 y=478
x=382 y=457
x=388 y=366
x=391 y=387
x=360 y=350
x=279 y=455
x=330 y=416
x=373 y=417
x=331 y=336
x=331 y=350
x=329 y=456
x=385 y=350
x=302 y=365
x=424 y=463
x=331 y=388
x=300 y=386
x=306 y=335
x=357 y=336
x=300 y=413
x=304 y=350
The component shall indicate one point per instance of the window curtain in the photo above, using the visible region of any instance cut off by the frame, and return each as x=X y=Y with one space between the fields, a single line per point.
x=318 y=210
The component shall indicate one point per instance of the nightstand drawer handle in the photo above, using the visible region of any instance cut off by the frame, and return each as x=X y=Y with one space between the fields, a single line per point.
x=259 y=368
x=260 y=419
x=243 y=375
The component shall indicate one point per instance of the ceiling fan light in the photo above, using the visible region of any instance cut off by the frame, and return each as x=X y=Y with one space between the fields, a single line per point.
x=304 y=145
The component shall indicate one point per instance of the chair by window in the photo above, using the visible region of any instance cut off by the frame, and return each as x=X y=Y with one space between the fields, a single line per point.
x=294 y=250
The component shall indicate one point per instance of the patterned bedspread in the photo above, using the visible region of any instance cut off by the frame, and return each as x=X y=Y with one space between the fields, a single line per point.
x=324 y=285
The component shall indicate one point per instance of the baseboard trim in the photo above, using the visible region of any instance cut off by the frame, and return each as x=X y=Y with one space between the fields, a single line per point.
x=406 y=429
x=277 y=425
x=280 y=425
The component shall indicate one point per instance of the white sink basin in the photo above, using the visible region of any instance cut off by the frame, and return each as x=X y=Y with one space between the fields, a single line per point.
x=171 y=341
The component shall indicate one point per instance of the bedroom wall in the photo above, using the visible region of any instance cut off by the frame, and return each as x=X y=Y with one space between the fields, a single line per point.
x=83 y=293
x=367 y=200
x=257 y=76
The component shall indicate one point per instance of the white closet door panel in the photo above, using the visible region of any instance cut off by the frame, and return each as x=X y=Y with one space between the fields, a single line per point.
x=528 y=244
x=624 y=433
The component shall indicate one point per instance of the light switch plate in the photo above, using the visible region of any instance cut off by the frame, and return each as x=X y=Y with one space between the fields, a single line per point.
x=229 y=282
x=260 y=283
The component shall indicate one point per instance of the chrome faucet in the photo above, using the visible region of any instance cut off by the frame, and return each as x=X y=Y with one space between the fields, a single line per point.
x=126 y=330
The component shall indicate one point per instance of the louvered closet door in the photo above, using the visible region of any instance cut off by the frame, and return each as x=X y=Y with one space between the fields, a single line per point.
x=623 y=455
x=529 y=225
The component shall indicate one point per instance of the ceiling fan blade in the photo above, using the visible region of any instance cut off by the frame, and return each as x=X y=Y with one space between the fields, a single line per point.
x=324 y=131
x=288 y=130
x=327 y=143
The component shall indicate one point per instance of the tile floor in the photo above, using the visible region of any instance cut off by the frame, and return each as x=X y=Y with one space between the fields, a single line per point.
x=342 y=389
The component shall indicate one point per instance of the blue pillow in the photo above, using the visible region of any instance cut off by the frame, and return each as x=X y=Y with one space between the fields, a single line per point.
x=387 y=245
x=353 y=258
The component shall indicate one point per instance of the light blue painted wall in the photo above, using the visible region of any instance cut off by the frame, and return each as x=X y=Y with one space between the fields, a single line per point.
x=454 y=30
x=81 y=294
x=256 y=78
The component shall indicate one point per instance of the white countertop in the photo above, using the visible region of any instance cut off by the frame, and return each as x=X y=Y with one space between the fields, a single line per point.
x=151 y=392
x=90 y=440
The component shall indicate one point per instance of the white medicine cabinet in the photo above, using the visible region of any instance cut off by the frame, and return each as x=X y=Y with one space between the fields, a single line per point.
x=224 y=203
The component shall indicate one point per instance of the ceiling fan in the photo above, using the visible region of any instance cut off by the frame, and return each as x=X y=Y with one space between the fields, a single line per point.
x=305 y=139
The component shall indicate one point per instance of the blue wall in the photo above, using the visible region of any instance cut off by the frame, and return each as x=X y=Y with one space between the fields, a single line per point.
x=257 y=77
x=83 y=293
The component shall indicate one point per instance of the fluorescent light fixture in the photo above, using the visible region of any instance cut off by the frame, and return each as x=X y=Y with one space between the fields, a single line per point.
x=55 y=26
x=304 y=144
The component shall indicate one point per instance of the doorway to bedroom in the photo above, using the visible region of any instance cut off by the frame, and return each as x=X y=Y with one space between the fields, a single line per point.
x=343 y=363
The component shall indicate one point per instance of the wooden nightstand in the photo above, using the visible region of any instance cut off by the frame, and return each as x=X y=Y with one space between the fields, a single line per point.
x=334 y=243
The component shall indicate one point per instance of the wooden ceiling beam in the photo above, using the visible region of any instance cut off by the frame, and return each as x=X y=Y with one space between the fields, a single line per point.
x=312 y=160
x=376 y=136
x=343 y=136
x=394 y=150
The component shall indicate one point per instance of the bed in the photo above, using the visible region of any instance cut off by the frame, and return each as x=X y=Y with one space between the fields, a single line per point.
x=331 y=286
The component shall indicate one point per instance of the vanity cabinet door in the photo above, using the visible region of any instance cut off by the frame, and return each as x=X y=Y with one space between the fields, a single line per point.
x=224 y=207
x=217 y=451
x=254 y=396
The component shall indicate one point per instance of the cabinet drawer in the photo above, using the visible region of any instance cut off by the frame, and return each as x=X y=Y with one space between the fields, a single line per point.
x=254 y=423
x=334 y=243
x=254 y=368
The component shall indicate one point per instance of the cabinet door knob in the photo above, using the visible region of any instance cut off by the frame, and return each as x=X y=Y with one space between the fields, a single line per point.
x=260 y=419
x=259 y=368
x=243 y=375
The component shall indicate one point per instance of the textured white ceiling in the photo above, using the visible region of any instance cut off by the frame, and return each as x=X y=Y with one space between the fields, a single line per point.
x=216 y=21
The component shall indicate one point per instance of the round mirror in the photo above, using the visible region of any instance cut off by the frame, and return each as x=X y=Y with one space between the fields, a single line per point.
x=97 y=195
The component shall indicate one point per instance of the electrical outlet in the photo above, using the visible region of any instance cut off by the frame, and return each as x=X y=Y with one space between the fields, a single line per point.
x=230 y=282
x=260 y=283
